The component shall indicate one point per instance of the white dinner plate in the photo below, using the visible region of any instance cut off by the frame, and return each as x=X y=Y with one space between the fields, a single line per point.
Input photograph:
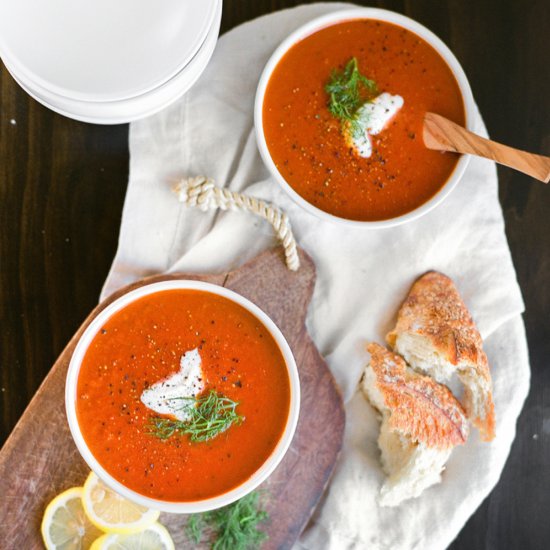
x=102 y=50
x=118 y=112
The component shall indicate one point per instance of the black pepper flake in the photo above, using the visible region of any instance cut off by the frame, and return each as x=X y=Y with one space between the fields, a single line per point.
x=238 y=384
x=103 y=331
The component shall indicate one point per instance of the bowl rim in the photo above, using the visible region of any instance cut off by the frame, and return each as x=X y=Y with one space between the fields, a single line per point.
x=182 y=507
x=328 y=20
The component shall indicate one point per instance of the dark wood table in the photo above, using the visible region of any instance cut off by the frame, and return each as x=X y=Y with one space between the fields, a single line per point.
x=62 y=186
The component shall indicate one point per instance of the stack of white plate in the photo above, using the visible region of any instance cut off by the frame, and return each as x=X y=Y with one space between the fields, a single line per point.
x=107 y=61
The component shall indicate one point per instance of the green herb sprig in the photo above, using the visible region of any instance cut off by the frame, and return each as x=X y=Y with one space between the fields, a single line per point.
x=348 y=90
x=234 y=527
x=195 y=527
x=209 y=416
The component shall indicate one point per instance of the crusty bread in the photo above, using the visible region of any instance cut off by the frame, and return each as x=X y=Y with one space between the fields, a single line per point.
x=421 y=423
x=436 y=335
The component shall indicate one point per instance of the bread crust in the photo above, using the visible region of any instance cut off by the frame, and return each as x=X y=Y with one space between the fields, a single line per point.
x=435 y=310
x=420 y=408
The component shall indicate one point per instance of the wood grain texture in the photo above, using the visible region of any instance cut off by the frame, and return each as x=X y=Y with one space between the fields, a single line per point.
x=62 y=186
x=39 y=460
x=442 y=134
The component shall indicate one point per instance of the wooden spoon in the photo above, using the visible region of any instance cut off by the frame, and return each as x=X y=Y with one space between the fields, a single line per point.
x=442 y=134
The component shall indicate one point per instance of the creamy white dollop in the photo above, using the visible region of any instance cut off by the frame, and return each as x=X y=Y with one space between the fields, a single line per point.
x=164 y=397
x=371 y=118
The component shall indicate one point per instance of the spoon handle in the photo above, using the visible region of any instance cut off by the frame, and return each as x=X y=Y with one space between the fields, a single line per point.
x=442 y=134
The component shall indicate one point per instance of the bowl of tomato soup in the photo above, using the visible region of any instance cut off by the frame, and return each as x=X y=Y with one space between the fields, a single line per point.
x=339 y=113
x=182 y=396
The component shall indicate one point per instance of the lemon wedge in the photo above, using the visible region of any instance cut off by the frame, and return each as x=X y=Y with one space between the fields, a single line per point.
x=65 y=524
x=112 y=513
x=154 y=537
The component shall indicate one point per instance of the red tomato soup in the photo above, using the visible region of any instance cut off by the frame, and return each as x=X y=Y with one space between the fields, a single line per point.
x=143 y=344
x=306 y=141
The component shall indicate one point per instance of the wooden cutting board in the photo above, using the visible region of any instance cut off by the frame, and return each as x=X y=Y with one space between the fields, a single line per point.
x=39 y=459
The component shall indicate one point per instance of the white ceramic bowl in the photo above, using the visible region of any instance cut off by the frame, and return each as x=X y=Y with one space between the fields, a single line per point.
x=200 y=505
x=134 y=108
x=102 y=50
x=347 y=15
x=179 y=43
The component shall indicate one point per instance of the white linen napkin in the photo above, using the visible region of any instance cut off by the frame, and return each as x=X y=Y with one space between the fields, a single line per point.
x=362 y=277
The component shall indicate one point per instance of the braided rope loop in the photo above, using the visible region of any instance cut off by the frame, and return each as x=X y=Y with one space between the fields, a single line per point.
x=201 y=192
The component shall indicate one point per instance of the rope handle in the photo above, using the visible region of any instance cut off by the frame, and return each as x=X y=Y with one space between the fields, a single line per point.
x=201 y=192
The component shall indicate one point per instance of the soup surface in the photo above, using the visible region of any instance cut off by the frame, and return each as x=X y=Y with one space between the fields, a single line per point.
x=142 y=344
x=306 y=141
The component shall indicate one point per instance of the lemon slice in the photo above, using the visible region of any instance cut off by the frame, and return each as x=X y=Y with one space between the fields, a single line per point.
x=65 y=524
x=112 y=513
x=154 y=537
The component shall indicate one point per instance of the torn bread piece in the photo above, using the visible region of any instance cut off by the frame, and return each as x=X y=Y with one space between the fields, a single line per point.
x=422 y=422
x=436 y=335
